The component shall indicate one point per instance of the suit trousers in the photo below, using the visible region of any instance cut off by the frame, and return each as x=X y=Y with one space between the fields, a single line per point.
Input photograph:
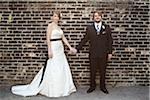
x=98 y=64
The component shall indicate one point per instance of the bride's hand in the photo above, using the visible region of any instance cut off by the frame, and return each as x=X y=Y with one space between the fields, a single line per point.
x=72 y=51
x=50 y=54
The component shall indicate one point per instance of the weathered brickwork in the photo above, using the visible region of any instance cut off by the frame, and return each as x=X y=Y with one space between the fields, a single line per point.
x=23 y=48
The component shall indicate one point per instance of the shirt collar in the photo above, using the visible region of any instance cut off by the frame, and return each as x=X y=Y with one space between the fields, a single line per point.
x=100 y=23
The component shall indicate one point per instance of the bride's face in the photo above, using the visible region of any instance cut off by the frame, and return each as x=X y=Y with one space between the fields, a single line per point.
x=55 y=17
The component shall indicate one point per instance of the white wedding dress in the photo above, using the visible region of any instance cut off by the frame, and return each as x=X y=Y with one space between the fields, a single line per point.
x=57 y=80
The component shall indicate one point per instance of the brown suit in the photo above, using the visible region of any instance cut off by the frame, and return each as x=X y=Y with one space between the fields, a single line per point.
x=100 y=47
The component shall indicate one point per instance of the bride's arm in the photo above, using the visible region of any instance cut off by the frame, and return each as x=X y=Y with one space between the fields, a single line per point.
x=48 y=37
x=67 y=43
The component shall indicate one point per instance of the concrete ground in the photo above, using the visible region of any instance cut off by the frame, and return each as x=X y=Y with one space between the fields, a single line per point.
x=117 y=93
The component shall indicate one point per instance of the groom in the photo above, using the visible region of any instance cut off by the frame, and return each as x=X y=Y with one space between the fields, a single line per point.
x=99 y=36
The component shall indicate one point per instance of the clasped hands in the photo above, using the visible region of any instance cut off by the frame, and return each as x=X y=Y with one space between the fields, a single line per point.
x=74 y=51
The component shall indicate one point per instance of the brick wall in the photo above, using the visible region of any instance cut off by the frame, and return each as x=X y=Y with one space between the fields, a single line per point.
x=23 y=46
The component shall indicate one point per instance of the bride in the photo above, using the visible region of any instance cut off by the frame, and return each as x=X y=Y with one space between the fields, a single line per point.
x=54 y=79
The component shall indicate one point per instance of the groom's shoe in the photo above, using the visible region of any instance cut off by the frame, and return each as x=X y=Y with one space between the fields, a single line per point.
x=91 y=89
x=104 y=90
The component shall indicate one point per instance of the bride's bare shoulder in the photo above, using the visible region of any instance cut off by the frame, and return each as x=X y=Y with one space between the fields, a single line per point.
x=50 y=25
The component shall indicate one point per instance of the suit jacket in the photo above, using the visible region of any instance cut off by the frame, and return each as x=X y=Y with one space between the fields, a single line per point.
x=100 y=45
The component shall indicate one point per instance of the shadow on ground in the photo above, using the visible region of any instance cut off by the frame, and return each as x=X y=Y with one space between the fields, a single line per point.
x=117 y=93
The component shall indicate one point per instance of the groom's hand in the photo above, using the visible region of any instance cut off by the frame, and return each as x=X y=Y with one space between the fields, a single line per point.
x=109 y=56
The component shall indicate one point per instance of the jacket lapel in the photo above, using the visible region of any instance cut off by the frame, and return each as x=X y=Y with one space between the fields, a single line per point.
x=102 y=27
x=94 y=29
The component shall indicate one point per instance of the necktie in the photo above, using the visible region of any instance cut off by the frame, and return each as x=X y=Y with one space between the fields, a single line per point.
x=98 y=30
